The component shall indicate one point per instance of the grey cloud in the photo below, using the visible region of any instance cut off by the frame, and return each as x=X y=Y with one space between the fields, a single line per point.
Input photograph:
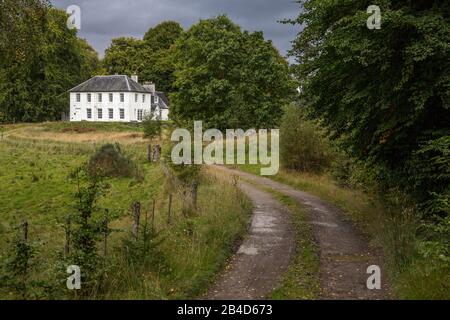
x=103 y=20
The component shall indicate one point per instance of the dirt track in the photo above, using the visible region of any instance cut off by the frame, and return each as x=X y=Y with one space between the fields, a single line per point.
x=260 y=262
x=265 y=254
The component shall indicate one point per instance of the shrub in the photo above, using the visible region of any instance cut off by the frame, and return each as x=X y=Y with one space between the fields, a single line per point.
x=302 y=144
x=16 y=267
x=88 y=226
x=152 y=127
x=110 y=161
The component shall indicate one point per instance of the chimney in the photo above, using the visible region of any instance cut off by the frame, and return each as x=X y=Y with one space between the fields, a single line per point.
x=135 y=78
x=151 y=86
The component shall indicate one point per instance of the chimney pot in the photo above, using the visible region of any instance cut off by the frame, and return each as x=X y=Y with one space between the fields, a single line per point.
x=151 y=86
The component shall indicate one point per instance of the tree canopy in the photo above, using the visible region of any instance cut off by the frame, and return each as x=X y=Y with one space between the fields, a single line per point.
x=383 y=93
x=164 y=35
x=40 y=60
x=149 y=58
x=227 y=77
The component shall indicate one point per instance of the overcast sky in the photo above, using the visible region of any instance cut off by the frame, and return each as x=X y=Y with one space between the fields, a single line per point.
x=102 y=20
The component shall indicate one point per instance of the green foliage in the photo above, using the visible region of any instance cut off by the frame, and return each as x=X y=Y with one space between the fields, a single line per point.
x=384 y=93
x=152 y=127
x=163 y=36
x=16 y=268
x=41 y=60
x=110 y=161
x=228 y=78
x=302 y=143
x=124 y=56
x=149 y=58
x=144 y=251
x=88 y=227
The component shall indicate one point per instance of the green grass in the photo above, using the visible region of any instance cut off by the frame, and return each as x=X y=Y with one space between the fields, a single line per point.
x=195 y=249
x=35 y=183
x=302 y=280
x=95 y=126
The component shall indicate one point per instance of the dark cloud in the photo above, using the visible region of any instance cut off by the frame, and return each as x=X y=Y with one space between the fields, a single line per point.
x=103 y=20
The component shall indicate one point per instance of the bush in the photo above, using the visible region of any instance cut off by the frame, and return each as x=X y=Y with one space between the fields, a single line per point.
x=152 y=127
x=110 y=161
x=302 y=144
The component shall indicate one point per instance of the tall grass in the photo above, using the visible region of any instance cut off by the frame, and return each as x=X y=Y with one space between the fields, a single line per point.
x=194 y=249
x=35 y=187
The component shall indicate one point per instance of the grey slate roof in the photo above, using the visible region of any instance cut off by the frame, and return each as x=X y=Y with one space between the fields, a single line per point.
x=117 y=83
x=162 y=96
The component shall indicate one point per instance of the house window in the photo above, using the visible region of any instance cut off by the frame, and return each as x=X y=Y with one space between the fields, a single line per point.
x=89 y=97
x=122 y=113
x=111 y=97
x=100 y=113
x=122 y=97
x=111 y=113
x=99 y=97
x=143 y=98
x=152 y=97
x=139 y=115
x=156 y=99
x=89 y=113
x=78 y=97
x=136 y=97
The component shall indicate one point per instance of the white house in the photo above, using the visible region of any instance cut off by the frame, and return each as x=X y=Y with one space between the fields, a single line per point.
x=117 y=98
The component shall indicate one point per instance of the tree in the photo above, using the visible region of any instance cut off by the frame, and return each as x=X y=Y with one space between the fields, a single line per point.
x=91 y=65
x=41 y=60
x=228 y=78
x=163 y=36
x=384 y=93
x=124 y=56
x=149 y=58
x=152 y=126
x=302 y=143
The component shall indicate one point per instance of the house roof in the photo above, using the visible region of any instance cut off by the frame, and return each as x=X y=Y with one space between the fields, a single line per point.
x=162 y=96
x=117 y=83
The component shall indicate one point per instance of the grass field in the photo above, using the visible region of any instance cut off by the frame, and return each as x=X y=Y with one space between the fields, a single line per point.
x=36 y=161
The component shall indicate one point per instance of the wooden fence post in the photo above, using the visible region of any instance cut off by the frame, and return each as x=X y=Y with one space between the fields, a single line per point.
x=105 y=232
x=194 y=193
x=25 y=231
x=68 y=231
x=153 y=215
x=136 y=217
x=185 y=204
x=156 y=153
x=25 y=270
x=169 y=213
x=149 y=153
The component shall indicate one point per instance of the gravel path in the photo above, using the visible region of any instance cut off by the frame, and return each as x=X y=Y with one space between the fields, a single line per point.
x=265 y=254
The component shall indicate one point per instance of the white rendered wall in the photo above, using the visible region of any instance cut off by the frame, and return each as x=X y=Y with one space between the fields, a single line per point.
x=78 y=110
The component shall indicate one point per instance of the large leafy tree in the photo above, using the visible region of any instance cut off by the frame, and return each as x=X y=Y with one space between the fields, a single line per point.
x=228 y=78
x=149 y=58
x=40 y=60
x=385 y=93
x=159 y=41
x=124 y=56
x=163 y=35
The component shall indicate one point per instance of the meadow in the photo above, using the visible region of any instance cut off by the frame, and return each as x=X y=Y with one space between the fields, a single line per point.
x=37 y=162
